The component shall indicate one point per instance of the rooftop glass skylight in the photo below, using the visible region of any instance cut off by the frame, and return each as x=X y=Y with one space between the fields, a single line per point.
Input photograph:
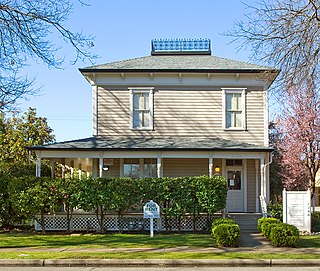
x=180 y=46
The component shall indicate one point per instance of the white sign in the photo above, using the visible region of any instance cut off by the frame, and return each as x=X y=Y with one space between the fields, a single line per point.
x=296 y=209
x=231 y=182
x=151 y=210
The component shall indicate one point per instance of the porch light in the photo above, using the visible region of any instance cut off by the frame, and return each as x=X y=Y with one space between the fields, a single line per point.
x=217 y=169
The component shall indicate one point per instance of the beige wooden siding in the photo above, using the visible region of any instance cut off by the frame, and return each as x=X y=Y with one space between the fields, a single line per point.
x=251 y=186
x=173 y=167
x=187 y=113
x=114 y=170
x=113 y=112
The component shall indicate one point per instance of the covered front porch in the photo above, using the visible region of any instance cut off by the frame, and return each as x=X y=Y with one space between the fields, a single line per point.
x=245 y=166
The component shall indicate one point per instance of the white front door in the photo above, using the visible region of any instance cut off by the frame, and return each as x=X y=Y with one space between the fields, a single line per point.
x=235 y=202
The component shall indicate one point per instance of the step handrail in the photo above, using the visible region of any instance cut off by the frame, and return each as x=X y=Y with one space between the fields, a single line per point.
x=263 y=205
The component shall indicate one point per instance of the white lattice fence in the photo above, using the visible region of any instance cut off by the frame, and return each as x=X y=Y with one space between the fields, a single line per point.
x=184 y=224
x=89 y=222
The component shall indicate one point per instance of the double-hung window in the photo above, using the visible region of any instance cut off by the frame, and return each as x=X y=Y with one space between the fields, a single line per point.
x=141 y=108
x=234 y=109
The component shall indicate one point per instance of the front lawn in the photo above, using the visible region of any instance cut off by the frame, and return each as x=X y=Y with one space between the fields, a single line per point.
x=309 y=241
x=155 y=255
x=61 y=246
x=106 y=240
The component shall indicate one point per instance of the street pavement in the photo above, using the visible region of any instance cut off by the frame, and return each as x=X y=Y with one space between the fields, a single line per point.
x=249 y=242
x=180 y=268
x=162 y=268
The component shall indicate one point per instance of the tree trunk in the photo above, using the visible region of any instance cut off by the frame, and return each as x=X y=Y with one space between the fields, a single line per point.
x=101 y=220
x=69 y=217
x=43 y=226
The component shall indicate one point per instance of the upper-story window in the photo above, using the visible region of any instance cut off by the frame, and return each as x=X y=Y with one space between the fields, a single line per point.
x=141 y=108
x=234 y=108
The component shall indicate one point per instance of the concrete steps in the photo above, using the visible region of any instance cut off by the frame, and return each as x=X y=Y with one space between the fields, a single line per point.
x=246 y=221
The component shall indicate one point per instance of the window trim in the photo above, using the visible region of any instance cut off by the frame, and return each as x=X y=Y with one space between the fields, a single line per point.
x=241 y=91
x=134 y=90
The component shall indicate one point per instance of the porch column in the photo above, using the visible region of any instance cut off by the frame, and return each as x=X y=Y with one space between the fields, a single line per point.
x=80 y=171
x=63 y=171
x=210 y=166
x=52 y=168
x=257 y=184
x=159 y=167
x=38 y=167
x=245 y=185
x=263 y=178
x=100 y=167
x=72 y=168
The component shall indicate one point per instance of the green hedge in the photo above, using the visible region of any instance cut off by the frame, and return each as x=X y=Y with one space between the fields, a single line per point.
x=175 y=196
x=284 y=235
x=219 y=221
x=226 y=235
x=225 y=232
x=280 y=234
x=265 y=224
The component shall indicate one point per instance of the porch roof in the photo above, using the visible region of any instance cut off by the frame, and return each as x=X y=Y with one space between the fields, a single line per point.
x=152 y=143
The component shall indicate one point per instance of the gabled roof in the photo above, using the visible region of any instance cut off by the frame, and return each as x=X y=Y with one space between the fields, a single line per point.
x=181 y=63
x=152 y=143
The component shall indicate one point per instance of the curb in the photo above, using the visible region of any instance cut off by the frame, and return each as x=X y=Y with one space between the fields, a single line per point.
x=295 y=262
x=21 y=262
x=159 y=262
x=156 y=262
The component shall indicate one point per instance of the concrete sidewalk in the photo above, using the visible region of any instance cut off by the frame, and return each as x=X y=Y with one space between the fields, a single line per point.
x=249 y=243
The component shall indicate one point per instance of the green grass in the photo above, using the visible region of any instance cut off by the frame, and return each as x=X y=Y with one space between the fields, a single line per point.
x=26 y=243
x=106 y=240
x=309 y=241
x=154 y=255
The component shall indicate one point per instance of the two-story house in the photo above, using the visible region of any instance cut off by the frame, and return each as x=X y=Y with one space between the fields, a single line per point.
x=177 y=112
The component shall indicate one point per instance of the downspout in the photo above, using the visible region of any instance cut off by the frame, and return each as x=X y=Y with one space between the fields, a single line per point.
x=265 y=166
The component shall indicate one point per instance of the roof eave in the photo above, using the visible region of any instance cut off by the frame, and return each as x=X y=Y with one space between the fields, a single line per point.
x=40 y=148
x=102 y=70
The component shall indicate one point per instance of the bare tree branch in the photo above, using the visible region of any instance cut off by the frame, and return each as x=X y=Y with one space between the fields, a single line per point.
x=27 y=28
x=284 y=34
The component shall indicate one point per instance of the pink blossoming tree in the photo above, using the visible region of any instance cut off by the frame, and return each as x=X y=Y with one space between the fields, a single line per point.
x=299 y=143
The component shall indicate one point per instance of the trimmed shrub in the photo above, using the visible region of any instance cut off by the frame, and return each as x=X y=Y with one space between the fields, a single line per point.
x=284 y=235
x=265 y=225
x=226 y=235
x=225 y=232
x=219 y=221
x=275 y=209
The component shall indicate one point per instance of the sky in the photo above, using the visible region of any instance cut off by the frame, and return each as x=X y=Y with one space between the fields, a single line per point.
x=123 y=29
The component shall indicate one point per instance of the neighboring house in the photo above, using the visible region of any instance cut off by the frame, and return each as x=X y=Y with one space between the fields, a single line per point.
x=178 y=112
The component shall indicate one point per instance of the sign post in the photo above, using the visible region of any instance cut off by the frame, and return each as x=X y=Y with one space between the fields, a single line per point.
x=151 y=210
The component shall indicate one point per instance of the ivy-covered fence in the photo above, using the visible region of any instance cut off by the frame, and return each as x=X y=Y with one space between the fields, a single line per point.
x=28 y=198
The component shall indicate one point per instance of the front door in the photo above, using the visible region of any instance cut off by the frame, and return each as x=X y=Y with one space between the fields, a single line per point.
x=235 y=202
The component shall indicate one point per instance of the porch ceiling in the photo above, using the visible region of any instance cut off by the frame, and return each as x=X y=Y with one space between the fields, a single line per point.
x=152 y=144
